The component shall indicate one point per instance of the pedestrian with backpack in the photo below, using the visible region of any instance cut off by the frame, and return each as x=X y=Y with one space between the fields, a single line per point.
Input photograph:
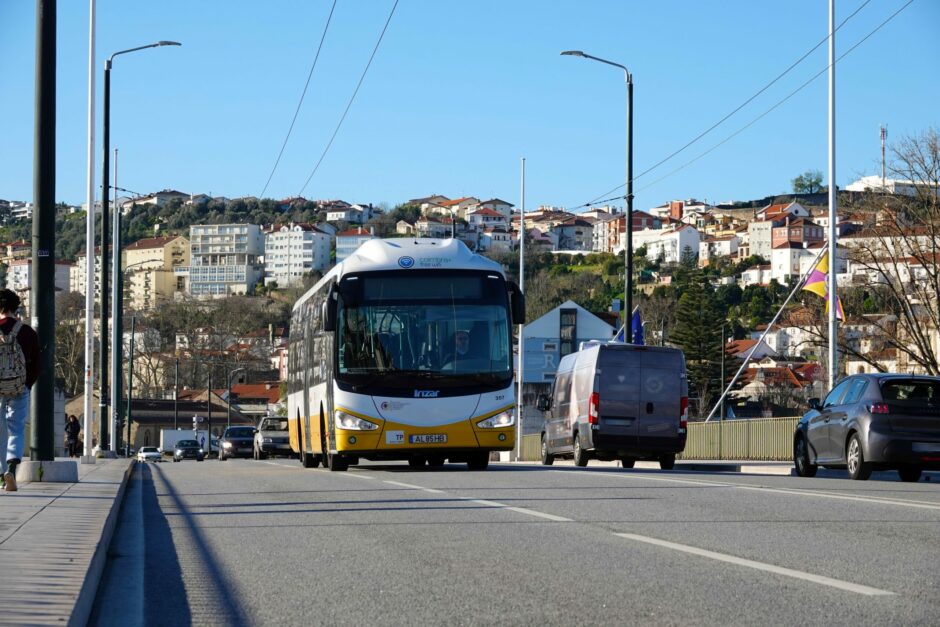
x=19 y=369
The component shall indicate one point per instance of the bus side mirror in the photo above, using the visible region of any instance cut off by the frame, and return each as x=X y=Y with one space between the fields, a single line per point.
x=516 y=303
x=329 y=310
x=543 y=402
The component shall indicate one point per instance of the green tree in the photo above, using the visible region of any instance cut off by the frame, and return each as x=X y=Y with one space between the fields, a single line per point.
x=809 y=182
x=698 y=321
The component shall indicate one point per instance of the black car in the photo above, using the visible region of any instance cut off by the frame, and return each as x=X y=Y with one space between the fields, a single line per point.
x=872 y=422
x=188 y=449
x=237 y=442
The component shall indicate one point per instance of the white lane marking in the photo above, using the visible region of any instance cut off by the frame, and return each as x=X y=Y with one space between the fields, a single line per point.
x=414 y=487
x=291 y=467
x=848 y=586
x=359 y=475
x=520 y=510
x=493 y=504
x=878 y=500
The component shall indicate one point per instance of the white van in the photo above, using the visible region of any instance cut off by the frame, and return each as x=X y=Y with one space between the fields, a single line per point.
x=617 y=401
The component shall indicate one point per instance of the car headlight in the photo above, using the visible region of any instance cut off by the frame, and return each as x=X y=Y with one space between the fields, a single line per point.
x=226 y=445
x=499 y=421
x=178 y=452
x=267 y=440
x=353 y=423
x=201 y=451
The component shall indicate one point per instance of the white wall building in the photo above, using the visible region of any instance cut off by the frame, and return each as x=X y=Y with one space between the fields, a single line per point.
x=291 y=251
x=224 y=259
x=666 y=244
x=348 y=241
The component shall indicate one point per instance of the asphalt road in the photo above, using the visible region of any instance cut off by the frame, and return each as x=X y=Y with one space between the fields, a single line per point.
x=247 y=542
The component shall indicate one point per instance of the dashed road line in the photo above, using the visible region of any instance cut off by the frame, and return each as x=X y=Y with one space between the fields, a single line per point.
x=848 y=586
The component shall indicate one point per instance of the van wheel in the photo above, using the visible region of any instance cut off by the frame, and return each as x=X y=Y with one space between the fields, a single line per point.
x=627 y=462
x=547 y=458
x=667 y=462
x=909 y=473
x=580 y=455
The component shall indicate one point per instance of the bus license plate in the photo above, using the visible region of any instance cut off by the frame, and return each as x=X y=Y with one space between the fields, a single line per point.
x=436 y=438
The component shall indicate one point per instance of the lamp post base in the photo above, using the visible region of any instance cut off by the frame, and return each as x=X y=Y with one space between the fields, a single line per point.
x=47 y=472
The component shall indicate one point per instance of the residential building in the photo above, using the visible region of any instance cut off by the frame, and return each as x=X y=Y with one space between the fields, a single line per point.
x=428 y=226
x=458 y=207
x=348 y=241
x=224 y=259
x=159 y=199
x=802 y=231
x=500 y=206
x=487 y=218
x=756 y=275
x=403 y=227
x=892 y=186
x=353 y=214
x=150 y=266
x=712 y=248
x=77 y=273
x=667 y=245
x=494 y=240
x=575 y=234
x=20 y=275
x=292 y=251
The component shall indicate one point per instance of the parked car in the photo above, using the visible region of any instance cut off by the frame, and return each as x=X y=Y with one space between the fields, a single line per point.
x=237 y=442
x=617 y=401
x=188 y=449
x=272 y=438
x=872 y=422
x=149 y=454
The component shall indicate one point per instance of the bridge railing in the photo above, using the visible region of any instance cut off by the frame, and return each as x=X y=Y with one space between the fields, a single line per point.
x=758 y=439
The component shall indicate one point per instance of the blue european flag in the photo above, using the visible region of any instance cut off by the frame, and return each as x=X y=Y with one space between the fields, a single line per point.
x=637 y=325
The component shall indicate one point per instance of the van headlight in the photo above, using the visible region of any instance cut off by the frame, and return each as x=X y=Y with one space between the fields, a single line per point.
x=499 y=421
x=353 y=423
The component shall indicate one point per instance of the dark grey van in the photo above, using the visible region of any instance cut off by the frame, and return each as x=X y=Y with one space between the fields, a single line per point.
x=617 y=401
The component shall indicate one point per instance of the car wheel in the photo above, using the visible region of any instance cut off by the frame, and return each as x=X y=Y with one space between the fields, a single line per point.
x=436 y=461
x=478 y=461
x=667 y=462
x=547 y=458
x=859 y=469
x=222 y=457
x=909 y=473
x=580 y=455
x=801 y=459
x=262 y=455
x=627 y=462
x=416 y=462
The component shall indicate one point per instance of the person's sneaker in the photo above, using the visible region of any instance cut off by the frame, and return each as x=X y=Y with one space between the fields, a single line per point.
x=9 y=482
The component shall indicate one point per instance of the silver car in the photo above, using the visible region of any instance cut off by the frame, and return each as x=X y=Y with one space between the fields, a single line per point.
x=272 y=438
x=872 y=422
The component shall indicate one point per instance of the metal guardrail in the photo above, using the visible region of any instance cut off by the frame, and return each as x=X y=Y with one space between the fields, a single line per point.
x=759 y=439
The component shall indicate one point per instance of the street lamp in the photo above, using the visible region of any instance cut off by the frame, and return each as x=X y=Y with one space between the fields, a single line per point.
x=628 y=280
x=228 y=399
x=105 y=193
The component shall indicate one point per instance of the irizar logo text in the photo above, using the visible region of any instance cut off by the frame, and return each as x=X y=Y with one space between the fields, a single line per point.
x=426 y=393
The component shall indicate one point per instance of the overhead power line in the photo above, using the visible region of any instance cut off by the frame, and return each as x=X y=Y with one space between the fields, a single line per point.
x=600 y=198
x=351 y=99
x=302 y=94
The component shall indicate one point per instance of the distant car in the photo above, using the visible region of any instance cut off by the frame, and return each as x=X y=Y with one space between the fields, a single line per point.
x=149 y=454
x=237 y=442
x=872 y=422
x=188 y=449
x=272 y=438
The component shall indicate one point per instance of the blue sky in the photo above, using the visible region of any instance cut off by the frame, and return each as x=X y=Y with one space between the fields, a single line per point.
x=459 y=91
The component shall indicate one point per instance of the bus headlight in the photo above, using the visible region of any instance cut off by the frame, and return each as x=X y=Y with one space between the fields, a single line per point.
x=499 y=421
x=353 y=423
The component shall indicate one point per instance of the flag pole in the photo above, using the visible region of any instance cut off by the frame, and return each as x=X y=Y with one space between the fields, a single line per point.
x=833 y=297
x=747 y=358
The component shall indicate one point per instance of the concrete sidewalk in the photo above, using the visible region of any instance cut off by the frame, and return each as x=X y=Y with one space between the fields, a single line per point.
x=54 y=539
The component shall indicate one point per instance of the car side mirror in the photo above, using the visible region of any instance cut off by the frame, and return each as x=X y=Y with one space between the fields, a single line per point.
x=543 y=402
x=255 y=430
x=814 y=404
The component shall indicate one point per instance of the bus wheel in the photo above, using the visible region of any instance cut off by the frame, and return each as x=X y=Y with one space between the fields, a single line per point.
x=478 y=461
x=416 y=462
x=308 y=460
x=436 y=461
x=337 y=462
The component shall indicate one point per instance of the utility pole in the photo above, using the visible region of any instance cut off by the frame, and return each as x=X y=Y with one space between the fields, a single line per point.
x=130 y=385
x=176 y=397
x=884 y=136
x=42 y=283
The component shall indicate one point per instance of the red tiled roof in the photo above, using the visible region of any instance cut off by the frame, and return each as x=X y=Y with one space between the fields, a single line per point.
x=456 y=201
x=354 y=232
x=486 y=212
x=773 y=376
x=267 y=391
x=150 y=242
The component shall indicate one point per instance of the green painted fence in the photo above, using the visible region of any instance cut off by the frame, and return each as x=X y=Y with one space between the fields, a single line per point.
x=764 y=439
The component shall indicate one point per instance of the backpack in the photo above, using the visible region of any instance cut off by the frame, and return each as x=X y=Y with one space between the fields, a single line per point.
x=12 y=363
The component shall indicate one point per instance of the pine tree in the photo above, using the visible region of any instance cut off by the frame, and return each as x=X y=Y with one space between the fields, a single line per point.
x=698 y=333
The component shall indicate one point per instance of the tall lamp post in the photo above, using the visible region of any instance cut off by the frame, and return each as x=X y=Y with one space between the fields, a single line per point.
x=628 y=280
x=228 y=399
x=103 y=416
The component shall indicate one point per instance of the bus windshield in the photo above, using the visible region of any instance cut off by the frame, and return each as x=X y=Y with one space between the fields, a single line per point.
x=453 y=329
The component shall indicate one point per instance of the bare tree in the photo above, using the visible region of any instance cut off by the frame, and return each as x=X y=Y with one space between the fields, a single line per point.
x=70 y=341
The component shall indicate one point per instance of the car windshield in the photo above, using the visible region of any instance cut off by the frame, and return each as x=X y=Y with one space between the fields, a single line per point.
x=239 y=432
x=912 y=391
x=148 y=449
x=274 y=424
x=183 y=443
x=452 y=329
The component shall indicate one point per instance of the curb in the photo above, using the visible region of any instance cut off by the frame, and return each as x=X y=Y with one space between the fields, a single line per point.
x=81 y=612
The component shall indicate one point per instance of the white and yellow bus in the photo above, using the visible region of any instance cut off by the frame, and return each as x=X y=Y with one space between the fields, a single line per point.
x=403 y=352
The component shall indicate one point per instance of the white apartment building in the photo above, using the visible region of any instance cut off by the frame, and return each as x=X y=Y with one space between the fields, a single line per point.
x=348 y=241
x=224 y=259
x=667 y=244
x=712 y=248
x=20 y=276
x=890 y=186
x=77 y=273
x=291 y=251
